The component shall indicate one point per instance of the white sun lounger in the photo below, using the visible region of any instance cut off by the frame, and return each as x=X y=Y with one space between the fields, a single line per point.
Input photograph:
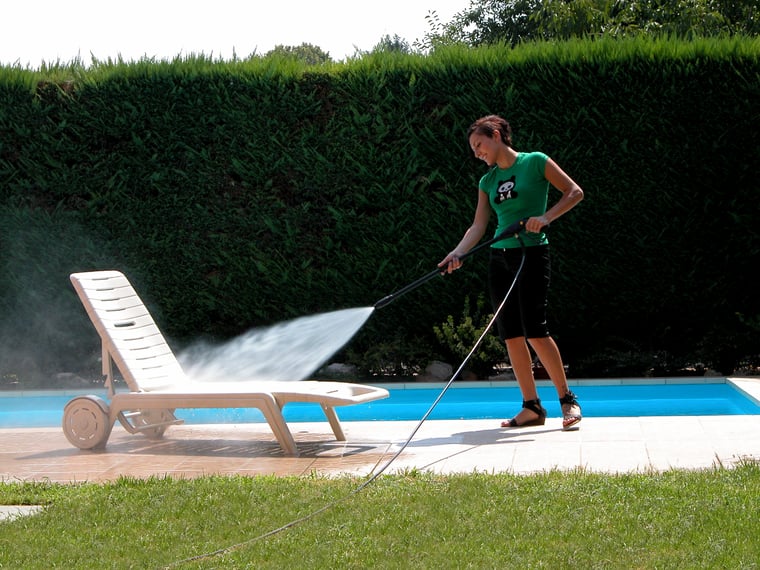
x=157 y=384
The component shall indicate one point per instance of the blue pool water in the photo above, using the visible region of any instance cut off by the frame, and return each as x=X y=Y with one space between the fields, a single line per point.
x=492 y=402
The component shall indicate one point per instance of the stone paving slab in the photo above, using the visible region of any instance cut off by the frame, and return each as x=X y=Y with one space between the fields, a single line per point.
x=442 y=446
x=14 y=511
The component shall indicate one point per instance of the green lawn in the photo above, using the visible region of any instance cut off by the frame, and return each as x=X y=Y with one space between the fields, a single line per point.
x=677 y=519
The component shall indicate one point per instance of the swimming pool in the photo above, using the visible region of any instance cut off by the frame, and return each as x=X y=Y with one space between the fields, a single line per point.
x=471 y=400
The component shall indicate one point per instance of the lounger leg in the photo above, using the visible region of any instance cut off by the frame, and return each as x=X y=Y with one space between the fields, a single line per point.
x=280 y=429
x=332 y=417
x=285 y=439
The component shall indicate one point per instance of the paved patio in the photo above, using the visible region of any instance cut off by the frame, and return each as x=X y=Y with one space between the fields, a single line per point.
x=442 y=446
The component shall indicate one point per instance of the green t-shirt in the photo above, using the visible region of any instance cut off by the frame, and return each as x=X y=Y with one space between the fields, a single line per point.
x=520 y=191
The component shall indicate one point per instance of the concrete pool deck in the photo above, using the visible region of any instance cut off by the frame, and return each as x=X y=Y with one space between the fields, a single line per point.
x=609 y=445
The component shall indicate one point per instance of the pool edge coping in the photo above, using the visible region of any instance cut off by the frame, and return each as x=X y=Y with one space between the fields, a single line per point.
x=747 y=384
x=500 y=383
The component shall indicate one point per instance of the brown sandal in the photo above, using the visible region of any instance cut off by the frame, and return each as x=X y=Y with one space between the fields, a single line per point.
x=533 y=406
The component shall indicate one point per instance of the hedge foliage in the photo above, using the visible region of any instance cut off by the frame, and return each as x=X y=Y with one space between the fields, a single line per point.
x=239 y=194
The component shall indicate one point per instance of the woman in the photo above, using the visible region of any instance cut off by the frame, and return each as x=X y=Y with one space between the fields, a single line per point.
x=517 y=187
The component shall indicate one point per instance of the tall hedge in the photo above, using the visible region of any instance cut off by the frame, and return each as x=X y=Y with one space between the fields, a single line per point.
x=238 y=194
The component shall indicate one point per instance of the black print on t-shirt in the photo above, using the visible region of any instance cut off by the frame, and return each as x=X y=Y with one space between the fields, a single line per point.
x=506 y=190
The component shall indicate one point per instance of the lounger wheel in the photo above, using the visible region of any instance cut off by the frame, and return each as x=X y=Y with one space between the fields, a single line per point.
x=86 y=422
x=151 y=423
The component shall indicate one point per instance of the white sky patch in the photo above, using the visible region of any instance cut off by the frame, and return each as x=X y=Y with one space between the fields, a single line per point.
x=51 y=30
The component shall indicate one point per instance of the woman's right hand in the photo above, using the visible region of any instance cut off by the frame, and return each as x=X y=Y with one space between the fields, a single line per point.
x=450 y=263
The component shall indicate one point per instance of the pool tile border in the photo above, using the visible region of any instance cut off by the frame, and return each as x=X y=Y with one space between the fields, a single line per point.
x=496 y=383
x=749 y=386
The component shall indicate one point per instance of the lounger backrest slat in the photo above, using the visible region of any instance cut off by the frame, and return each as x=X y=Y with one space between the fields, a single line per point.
x=108 y=290
x=126 y=317
x=127 y=330
x=118 y=305
x=135 y=330
x=144 y=352
x=143 y=343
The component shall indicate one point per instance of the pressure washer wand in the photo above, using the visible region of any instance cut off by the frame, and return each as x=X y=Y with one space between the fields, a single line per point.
x=510 y=231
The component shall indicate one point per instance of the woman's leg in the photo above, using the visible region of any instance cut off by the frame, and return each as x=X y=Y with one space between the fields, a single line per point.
x=522 y=366
x=548 y=353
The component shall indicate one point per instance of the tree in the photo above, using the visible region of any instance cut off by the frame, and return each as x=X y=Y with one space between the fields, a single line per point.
x=485 y=22
x=307 y=53
x=684 y=19
x=742 y=16
x=395 y=44
x=440 y=34
x=515 y=21
x=563 y=20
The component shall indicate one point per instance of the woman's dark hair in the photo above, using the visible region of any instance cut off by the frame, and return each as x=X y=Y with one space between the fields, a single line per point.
x=489 y=125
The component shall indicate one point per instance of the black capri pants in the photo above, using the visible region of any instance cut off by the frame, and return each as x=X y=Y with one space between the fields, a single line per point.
x=524 y=313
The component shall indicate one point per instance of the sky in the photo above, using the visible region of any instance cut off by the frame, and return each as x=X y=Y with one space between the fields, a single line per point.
x=61 y=31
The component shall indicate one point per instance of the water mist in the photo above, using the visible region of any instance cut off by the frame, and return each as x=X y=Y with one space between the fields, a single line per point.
x=288 y=351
